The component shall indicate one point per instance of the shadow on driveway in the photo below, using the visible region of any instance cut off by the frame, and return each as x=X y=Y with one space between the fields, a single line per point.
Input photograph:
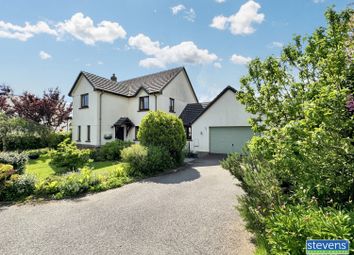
x=186 y=174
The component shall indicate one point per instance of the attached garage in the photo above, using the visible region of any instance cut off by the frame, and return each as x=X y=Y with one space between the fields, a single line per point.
x=228 y=139
x=218 y=127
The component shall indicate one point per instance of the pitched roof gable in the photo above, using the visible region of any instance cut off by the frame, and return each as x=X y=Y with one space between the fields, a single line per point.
x=152 y=83
x=191 y=112
x=215 y=100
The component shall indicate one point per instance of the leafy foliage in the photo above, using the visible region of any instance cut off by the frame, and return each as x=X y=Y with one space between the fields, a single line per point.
x=51 y=110
x=15 y=159
x=68 y=157
x=145 y=161
x=18 y=186
x=304 y=153
x=163 y=130
x=77 y=183
x=111 y=150
x=288 y=228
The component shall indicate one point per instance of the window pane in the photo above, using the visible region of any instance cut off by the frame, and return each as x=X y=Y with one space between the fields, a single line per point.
x=88 y=133
x=146 y=103
x=79 y=133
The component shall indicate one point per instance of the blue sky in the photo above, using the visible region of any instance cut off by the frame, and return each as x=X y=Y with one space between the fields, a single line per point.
x=213 y=39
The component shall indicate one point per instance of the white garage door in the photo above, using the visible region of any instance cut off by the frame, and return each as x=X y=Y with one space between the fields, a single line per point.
x=228 y=139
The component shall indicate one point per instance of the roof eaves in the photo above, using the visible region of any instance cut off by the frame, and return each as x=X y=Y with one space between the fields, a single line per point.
x=77 y=79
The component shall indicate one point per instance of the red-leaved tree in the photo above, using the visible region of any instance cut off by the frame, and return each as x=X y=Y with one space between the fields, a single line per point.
x=50 y=110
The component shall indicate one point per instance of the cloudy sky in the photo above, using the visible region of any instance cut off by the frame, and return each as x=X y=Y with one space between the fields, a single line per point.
x=47 y=43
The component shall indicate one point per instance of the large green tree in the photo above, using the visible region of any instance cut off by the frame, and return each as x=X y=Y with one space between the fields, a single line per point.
x=302 y=104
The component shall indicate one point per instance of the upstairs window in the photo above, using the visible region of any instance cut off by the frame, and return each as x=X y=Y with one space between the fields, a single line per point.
x=144 y=103
x=172 y=105
x=84 y=101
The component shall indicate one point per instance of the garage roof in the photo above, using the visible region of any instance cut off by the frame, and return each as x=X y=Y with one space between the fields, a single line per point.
x=191 y=112
x=214 y=100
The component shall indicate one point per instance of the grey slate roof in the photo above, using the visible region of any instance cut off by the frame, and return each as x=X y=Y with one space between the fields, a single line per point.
x=152 y=83
x=123 y=121
x=191 y=112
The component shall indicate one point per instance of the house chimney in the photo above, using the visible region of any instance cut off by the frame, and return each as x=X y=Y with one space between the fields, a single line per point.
x=114 y=78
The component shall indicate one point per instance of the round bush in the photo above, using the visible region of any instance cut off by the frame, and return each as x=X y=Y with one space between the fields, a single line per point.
x=163 y=130
x=68 y=157
x=136 y=155
x=110 y=151
x=17 y=160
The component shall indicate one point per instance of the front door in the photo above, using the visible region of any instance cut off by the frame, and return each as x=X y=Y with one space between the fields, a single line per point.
x=120 y=133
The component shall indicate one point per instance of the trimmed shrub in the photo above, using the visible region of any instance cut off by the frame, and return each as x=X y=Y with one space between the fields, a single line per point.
x=5 y=173
x=158 y=160
x=137 y=156
x=20 y=142
x=111 y=150
x=17 y=160
x=146 y=160
x=35 y=154
x=18 y=186
x=55 y=138
x=68 y=157
x=163 y=130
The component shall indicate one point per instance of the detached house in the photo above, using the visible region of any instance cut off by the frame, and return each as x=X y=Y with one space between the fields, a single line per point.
x=108 y=109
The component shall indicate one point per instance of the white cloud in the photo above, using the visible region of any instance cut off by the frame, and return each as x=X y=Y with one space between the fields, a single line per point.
x=83 y=29
x=176 y=9
x=217 y=65
x=276 y=45
x=44 y=55
x=240 y=23
x=219 y=22
x=185 y=52
x=99 y=63
x=220 y=1
x=318 y=1
x=78 y=26
x=240 y=60
x=23 y=33
x=190 y=15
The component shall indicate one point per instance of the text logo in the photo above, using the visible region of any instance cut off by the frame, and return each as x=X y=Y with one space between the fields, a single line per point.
x=324 y=247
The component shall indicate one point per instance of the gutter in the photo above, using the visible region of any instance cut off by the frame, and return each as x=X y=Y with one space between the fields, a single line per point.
x=155 y=102
x=100 y=121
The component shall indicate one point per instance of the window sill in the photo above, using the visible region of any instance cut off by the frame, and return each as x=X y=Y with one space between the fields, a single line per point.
x=83 y=107
x=87 y=141
x=78 y=141
x=143 y=110
x=172 y=112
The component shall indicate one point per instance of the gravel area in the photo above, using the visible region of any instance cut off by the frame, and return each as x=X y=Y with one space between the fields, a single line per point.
x=191 y=211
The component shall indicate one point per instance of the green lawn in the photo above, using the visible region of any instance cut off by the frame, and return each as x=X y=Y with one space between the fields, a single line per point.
x=42 y=169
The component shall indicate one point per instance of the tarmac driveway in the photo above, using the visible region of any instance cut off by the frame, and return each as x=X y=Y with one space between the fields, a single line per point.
x=187 y=212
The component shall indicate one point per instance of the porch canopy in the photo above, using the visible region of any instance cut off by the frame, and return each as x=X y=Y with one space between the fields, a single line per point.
x=124 y=121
